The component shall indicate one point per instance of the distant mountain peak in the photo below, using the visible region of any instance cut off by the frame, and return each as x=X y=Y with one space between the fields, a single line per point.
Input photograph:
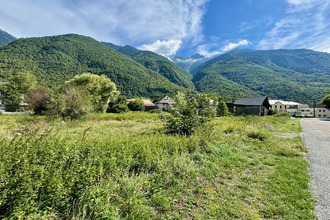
x=6 y=38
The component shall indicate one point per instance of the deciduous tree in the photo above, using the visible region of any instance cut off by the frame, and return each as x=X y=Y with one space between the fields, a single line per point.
x=18 y=85
x=326 y=101
x=101 y=89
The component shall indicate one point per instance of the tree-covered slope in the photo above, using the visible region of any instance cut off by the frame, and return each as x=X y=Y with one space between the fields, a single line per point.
x=157 y=63
x=57 y=59
x=6 y=38
x=299 y=75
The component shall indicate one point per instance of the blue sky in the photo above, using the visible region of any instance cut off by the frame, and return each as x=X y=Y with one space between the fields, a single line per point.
x=177 y=27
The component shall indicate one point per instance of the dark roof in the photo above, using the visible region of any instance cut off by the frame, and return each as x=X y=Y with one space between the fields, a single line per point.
x=252 y=101
x=166 y=100
x=317 y=106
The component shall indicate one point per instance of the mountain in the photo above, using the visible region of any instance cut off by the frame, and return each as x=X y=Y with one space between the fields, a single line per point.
x=298 y=75
x=190 y=63
x=157 y=63
x=57 y=59
x=6 y=38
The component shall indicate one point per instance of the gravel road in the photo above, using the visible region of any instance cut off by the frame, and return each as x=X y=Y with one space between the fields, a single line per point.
x=316 y=136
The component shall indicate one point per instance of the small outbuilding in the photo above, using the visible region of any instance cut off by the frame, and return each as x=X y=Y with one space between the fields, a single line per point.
x=164 y=103
x=252 y=106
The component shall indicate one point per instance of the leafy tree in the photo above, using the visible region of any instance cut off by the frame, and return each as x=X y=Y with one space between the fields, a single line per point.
x=119 y=105
x=222 y=109
x=39 y=101
x=187 y=115
x=18 y=85
x=101 y=89
x=203 y=107
x=136 y=104
x=326 y=101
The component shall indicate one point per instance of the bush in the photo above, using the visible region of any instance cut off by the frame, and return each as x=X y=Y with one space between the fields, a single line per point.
x=186 y=116
x=272 y=112
x=39 y=101
x=222 y=109
x=282 y=114
x=72 y=103
x=136 y=104
x=119 y=105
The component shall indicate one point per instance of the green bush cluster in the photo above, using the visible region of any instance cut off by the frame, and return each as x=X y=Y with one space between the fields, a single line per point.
x=187 y=115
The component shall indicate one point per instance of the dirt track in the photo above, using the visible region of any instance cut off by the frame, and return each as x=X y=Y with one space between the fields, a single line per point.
x=316 y=136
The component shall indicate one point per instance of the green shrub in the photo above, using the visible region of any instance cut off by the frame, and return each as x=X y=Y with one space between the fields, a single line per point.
x=187 y=115
x=119 y=105
x=282 y=114
x=136 y=104
x=72 y=103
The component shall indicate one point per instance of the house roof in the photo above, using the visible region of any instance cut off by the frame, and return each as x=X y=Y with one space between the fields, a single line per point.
x=251 y=101
x=166 y=100
x=317 y=106
x=146 y=102
x=272 y=102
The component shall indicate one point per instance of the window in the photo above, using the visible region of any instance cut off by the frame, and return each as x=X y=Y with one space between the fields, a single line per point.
x=319 y=110
x=323 y=110
x=324 y=115
x=319 y=115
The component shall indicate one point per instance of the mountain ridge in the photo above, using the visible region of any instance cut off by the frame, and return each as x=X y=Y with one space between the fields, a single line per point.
x=6 y=38
x=56 y=59
x=157 y=63
x=274 y=73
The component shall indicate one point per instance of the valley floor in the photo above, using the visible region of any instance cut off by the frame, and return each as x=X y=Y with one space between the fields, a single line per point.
x=117 y=166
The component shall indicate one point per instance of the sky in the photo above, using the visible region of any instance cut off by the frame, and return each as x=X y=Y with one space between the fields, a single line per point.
x=177 y=27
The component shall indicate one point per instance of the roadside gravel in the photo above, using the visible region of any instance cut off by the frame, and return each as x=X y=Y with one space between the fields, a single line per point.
x=316 y=136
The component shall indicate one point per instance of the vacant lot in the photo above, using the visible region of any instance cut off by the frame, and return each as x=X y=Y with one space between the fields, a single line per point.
x=125 y=166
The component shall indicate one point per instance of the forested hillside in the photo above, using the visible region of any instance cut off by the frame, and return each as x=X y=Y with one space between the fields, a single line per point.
x=6 y=38
x=299 y=75
x=57 y=59
x=157 y=63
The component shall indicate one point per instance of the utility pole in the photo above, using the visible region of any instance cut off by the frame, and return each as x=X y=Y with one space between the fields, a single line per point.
x=314 y=108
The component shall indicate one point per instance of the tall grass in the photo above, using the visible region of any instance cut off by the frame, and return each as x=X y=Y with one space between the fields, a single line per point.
x=113 y=167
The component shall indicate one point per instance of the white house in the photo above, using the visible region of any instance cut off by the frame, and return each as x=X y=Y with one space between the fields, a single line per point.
x=309 y=110
x=321 y=111
x=165 y=103
x=282 y=106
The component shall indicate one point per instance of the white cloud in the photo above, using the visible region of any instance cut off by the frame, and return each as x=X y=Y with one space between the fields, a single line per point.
x=165 y=48
x=213 y=49
x=133 y=22
x=231 y=46
x=205 y=49
x=299 y=2
x=305 y=25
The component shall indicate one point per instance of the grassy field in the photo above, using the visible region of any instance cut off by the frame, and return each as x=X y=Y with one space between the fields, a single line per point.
x=124 y=166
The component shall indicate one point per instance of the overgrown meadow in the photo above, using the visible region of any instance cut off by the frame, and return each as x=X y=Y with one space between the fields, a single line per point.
x=125 y=166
